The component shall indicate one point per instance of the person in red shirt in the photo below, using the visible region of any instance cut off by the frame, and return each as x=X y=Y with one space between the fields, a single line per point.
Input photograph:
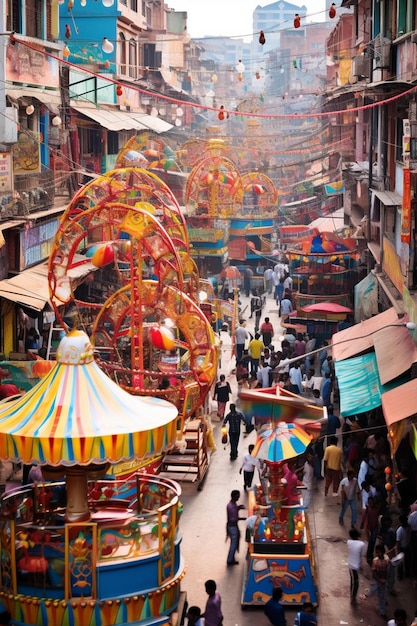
x=267 y=332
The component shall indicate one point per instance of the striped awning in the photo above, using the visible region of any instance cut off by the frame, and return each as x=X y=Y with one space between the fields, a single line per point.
x=76 y=416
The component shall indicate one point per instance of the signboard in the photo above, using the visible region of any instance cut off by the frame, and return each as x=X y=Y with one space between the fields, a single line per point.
x=406 y=207
x=36 y=243
x=6 y=180
x=26 y=153
x=31 y=67
x=237 y=249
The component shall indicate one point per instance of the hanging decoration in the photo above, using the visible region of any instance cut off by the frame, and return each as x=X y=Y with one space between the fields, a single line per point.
x=119 y=90
x=222 y=115
x=297 y=21
x=67 y=31
x=107 y=46
x=332 y=11
x=257 y=75
x=240 y=68
x=66 y=52
x=262 y=37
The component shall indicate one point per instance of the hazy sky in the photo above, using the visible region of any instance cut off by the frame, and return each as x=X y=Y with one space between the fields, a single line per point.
x=230 y=18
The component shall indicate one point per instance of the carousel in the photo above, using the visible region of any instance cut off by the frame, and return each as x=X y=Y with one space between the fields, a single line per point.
x=280 y=550
x=78 y=548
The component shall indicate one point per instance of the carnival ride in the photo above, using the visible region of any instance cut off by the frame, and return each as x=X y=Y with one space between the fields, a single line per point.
x=323 y=267
x=91 y=551
x=280 y=551
x=88 y=550
x=149 y=332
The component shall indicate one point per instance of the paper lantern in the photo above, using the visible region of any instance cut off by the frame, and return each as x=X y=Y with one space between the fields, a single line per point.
x=332 y=11
x=297 y=21
x=258 y=189
x=119 y=90
x=257 y=75
x=224 y=435
x=162 y=338
x=107 y=46
x=103 y=255
x=66 y=52
x=240 y=68
x=387 y=470
x=67 y=31
x=262 y=38
x=388 y=487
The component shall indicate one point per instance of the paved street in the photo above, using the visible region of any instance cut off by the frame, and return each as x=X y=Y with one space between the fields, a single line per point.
x=204 y=547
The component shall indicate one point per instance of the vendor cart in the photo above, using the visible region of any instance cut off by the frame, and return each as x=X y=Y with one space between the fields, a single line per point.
x=280 y=552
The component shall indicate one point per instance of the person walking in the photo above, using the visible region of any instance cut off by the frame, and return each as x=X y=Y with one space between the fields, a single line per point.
x=213 y=615
x=267 y=332
x=332 y=466
x=249 y=464
x=274 y=610
x=356 y=550
x=255 y=348
x=222 y=393
x=268 y=279
x=234 y=418
x=350 y=491
x=296 y=379
x=241 y=335
x=232 y=528
x=286 y=307
x=380 y=566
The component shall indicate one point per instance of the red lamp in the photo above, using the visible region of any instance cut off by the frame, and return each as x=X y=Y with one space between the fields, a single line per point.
x=119 y=90
x=67 y=31
x=332 y=11
x=262 y=37
x=297 y=21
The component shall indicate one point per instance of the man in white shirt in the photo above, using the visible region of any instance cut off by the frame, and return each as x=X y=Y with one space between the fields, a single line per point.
x=262 y=374
x=356 y=550
x=241 y=335
x=268 y=279
x=286 y=307
x=296 y=379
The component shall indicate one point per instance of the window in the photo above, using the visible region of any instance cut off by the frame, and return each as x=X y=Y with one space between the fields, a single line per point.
x=132 y=58
x=112 y=142
x=134 y=5
x=122 y=55
x=14 y=16
x=33 y=16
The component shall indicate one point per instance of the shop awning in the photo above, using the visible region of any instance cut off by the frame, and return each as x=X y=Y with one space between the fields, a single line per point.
x=30 y=288
x=329 y=223
x=123 y=120
x=51 y=99
x=360 y=386
x=395 y=352
x=388 y=198
x=359 y=338
x=400 y=403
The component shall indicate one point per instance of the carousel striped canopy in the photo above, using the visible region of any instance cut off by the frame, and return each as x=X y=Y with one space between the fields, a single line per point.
x=76 y=415
x=280 y=441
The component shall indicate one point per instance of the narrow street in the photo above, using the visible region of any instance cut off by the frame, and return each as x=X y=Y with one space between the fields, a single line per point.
x=204 y=548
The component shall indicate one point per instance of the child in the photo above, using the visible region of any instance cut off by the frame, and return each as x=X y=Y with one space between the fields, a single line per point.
x=249 y=464
x=194 y=616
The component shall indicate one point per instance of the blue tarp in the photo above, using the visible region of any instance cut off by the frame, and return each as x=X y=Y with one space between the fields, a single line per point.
x=359 y=385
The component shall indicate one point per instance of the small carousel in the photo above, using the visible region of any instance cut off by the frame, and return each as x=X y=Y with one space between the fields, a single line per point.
x=280 y=551
x=77 y=548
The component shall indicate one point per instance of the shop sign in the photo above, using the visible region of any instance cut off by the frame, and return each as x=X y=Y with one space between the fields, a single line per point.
x=26 y=153
x=237 y=249
x=6 y=180
x=31 y=66
x=36 y=243
x=406 y=207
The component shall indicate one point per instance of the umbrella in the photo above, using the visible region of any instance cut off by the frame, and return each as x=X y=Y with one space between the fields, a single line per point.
x=326 y=307
x=280 y=442
x=231 y=272
x=76 y=417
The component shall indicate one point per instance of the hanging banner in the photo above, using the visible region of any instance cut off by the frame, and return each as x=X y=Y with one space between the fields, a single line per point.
x=406 y=207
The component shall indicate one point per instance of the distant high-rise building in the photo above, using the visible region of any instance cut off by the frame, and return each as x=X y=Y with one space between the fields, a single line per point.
x=273 y=18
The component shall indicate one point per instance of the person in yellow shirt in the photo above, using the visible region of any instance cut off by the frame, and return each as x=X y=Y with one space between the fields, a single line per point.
x=332 y=466
x=255 y=348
